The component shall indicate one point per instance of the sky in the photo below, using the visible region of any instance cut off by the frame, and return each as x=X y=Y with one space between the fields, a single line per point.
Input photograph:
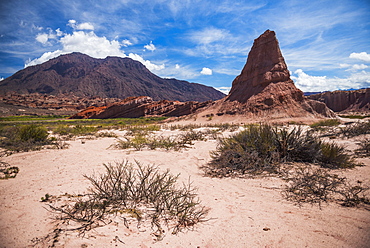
x=326 y=44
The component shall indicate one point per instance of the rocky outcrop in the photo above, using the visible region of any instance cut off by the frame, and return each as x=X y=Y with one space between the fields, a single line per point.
x=142 y=106
x=112 y=77
x=345 y=101
x=264 y=87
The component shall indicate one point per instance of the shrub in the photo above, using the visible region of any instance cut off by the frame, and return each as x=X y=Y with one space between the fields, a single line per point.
x=24 y=138
x=364 y=149
x=261 y=148
x=7 y=171
x=311 y=185
x=356 y=129
x=334 y=156
x=125 y=187
x=314 y=185
x=33 y=133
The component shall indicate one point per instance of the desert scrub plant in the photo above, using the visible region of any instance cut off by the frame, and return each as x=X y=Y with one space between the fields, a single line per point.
x=309 y=184
x=364 y=148
x=315 y=185
x=135 y=190
x=334 y=156
x=262 y=148
x=356 y=129
x=24 y=138
x=7 y=171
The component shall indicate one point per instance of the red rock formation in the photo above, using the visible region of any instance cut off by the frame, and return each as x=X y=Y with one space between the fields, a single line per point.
x=345 y=101
x=264 y=86
x=134 y=107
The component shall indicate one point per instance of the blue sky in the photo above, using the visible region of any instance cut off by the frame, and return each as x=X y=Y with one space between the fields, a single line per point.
x=326 y=44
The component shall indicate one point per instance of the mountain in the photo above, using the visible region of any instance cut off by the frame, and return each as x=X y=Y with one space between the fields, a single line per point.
x=112 y=77
x=263 y=90
x=345 y=100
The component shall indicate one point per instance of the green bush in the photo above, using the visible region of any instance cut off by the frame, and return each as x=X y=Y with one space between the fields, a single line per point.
x=24 y=138
x=333 y=156
x=33 y=133
x=261 y=148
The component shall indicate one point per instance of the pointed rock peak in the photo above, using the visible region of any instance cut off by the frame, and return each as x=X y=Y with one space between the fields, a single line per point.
x=265 y=65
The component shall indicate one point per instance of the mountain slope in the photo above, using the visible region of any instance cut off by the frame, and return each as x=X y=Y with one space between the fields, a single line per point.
x=111 y=77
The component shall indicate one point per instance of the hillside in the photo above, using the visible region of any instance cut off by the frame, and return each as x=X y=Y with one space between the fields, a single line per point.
x=112 y=77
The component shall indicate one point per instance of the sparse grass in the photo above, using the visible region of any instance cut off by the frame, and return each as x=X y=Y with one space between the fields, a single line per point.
x=144 y=140
x=325 y=123
x=138 y=191
x=355 y=116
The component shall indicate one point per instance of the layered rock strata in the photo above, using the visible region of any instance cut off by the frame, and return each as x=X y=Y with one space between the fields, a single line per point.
x=142 y=106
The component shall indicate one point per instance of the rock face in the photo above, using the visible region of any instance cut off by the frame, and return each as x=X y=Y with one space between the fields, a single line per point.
x=345 y=101
x=264 y=87
x=112 y=77
x=142 y=106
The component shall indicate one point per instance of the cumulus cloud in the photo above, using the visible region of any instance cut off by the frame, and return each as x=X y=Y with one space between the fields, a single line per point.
x=150 y=47
x=126 y=43
x=361 y=56
x=42 y=38
x=89 y=43
x=80 y=26
x=206 y=71
x=309 y=83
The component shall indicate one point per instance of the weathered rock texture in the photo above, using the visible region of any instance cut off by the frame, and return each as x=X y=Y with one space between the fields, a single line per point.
x=112 y=77
x=134 y=107
x=345 y=101
x=264 y=87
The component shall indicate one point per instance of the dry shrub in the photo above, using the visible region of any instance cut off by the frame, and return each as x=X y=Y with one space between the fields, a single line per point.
x=314 y=185
x=135 y=190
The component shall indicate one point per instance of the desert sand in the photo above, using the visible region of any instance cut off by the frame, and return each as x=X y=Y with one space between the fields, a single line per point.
x=242 y=212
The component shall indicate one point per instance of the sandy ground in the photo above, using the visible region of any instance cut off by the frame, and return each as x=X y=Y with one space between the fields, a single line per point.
x=243 y=212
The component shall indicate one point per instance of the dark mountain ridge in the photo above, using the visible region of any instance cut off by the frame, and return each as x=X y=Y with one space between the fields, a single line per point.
x=112 y=77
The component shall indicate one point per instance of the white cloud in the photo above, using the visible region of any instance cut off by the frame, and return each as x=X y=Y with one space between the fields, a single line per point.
x=42 y=38
x=81 y=26
x=147 y=63
x=126 y=43
x=150 y=47
x=361 y=56
x=357 y=67
x=206 y=71
x=177 y=66
x=224 y=90
x=85 y=26
x=309 y=83
x=91 y=44
x=208 y=35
